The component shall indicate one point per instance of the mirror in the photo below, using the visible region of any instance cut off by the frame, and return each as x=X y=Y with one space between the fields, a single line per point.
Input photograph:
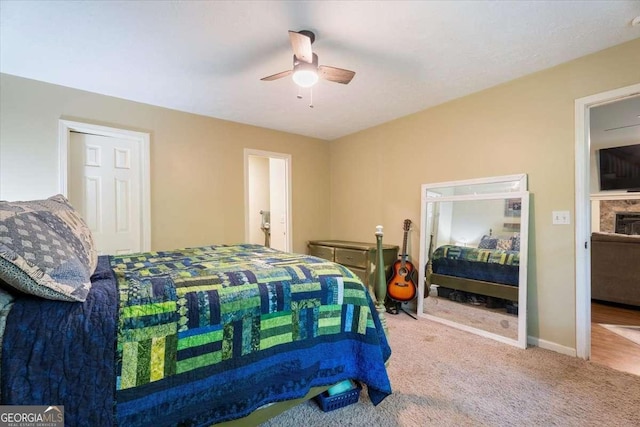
x=473 y=256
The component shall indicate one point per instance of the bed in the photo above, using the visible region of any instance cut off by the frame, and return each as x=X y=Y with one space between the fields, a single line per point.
x=186 y=337
x=491 y=269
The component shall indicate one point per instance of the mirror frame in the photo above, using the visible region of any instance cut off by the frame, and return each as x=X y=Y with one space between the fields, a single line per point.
x=521 y=193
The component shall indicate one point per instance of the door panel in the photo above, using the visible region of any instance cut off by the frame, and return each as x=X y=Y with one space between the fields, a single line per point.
x=278 y=203
x=104 y=186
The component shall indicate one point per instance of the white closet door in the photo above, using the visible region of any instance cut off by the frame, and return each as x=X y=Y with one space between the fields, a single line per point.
x=104 y=186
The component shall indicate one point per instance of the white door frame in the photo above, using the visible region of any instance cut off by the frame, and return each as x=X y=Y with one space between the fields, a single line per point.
x=65 y=127
x=583 y=211
x=287 y=166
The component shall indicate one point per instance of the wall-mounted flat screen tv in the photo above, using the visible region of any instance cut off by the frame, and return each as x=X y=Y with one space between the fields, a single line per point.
x=620 y=168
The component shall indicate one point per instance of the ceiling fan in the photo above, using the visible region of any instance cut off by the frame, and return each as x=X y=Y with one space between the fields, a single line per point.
x=306 y=71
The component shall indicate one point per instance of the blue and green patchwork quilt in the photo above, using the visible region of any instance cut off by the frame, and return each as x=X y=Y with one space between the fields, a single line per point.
x=489 y=265
x=200 y=336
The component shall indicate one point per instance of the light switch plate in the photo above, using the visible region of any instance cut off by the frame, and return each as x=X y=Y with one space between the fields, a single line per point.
x=561 y=218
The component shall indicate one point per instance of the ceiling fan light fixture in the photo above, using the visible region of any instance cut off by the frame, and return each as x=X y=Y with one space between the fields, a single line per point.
x=305 y=74
x=305 y=78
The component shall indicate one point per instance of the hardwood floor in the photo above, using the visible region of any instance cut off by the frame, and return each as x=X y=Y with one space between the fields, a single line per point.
x=609 y=348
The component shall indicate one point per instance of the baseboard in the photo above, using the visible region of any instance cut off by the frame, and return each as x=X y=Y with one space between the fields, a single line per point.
x=548 y=345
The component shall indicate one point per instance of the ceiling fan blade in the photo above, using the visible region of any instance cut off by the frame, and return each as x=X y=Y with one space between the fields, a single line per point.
x=277 y=76
x=334 y=74
x=301 y=45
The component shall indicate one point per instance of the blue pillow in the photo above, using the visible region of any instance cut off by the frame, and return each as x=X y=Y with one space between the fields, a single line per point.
x=46 y=249
x=515 y=242
x=488 y=242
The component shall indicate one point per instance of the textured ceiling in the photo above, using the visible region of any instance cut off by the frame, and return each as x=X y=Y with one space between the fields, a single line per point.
x=206 y=57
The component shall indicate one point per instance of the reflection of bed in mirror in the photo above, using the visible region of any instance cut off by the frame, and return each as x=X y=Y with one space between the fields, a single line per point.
x=473 y=243
x=490 y=270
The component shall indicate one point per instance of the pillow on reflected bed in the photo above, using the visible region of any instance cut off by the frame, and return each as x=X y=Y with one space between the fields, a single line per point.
x=46 y=249
x=488 y=242
x=504 y=244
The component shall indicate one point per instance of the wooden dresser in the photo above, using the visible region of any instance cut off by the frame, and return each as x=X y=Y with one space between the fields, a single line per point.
x=356 y=256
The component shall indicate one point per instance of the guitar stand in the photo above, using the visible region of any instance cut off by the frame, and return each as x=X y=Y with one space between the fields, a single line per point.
x=396 y=308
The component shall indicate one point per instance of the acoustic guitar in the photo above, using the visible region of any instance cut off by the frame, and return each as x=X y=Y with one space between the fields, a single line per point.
x=401 y=287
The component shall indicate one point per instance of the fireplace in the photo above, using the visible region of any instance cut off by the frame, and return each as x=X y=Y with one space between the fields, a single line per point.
x=627 y=223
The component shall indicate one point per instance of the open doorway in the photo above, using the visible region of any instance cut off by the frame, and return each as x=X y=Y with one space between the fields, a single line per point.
x=587 y=206
x=268 y=199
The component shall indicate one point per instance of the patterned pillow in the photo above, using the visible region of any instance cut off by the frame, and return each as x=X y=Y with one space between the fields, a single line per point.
x=46 y=249
x=515 y=242
x=504 y=244
x=488 y=242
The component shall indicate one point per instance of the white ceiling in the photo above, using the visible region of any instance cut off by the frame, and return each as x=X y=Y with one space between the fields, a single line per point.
x=615 y=124
x=206 y=57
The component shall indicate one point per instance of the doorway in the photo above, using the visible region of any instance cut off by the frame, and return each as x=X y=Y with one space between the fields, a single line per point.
x=583 y=210
x=104 y=172
x=268 y=199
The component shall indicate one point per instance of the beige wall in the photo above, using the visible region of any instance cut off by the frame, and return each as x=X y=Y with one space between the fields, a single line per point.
x=197 y=176
x=526 y=125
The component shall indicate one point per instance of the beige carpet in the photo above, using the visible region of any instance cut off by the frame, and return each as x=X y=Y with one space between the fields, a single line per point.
x=631 y=333
x=446 y=377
